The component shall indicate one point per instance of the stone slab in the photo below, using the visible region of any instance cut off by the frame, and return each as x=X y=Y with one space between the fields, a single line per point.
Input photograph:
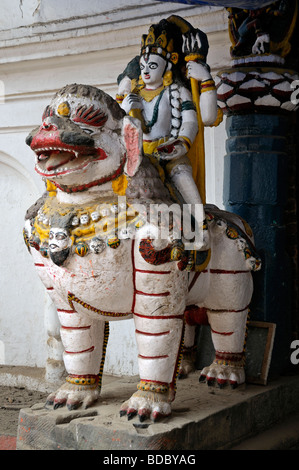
x=203 y=418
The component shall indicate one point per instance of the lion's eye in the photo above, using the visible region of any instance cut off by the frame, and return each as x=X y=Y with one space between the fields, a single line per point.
x=90 y=116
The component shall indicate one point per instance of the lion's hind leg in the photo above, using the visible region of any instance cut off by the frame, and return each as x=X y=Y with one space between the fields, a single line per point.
x=228 y=329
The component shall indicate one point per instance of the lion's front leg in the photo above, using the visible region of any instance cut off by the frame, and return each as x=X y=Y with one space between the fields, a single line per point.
x=159 y=342
x=84 y=340
x=158 y=307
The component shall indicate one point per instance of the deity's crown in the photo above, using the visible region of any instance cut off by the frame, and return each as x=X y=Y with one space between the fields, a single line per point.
x=175 y=38
x=162 y=40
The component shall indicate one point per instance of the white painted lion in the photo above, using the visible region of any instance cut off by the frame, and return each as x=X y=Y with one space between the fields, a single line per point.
x=97 y=255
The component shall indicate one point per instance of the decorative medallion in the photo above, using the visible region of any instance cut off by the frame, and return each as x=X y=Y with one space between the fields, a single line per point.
x=81 y=249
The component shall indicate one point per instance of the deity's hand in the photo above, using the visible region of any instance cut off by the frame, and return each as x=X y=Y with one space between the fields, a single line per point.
x=197 y=70
x=171 y=150
x=261 y=45
x=131 y=101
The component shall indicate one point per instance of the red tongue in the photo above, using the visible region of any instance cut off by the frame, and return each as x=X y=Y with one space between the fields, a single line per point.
x=58 y=159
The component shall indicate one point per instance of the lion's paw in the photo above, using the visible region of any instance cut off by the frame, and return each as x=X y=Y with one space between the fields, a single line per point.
x=73 y=396
x=147 y=405
x=222 y=375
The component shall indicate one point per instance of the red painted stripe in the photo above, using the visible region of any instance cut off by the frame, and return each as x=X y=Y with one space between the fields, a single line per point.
x=229 y=311
x=154 y=381
x=224 y=271
x=162 y=294
x=159 y=317
x=76 y=327
x=152 y=334
x=80 y=352
x=152 y=357
x=87 y=376
x=151 y=272
x=222 y=334
x=195 y=277
x=41 y=265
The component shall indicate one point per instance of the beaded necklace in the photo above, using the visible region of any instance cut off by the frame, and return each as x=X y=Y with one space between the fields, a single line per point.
x=152 y=122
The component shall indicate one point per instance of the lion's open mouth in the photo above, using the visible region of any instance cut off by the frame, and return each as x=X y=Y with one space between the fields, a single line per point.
x=55 y=161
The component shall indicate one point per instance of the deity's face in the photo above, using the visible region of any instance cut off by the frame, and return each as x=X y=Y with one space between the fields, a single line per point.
x=58 y=239
x=152 y=68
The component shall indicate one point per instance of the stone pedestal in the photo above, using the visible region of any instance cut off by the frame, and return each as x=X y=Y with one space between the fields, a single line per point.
x=203 y=418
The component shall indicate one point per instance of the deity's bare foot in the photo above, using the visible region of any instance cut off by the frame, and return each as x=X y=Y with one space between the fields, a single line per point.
x=223 y=374
x=73 y=396
x=147 y=405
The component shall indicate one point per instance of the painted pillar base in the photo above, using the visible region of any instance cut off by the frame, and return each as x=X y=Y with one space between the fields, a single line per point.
x=255 y=188
x=258 y=101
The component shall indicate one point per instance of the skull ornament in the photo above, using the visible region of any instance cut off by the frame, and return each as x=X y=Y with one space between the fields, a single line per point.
x=97 y=245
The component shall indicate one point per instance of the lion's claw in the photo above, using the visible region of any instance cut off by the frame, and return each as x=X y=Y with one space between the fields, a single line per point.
x=72 y=397
x=146 y=406
x=222 y=375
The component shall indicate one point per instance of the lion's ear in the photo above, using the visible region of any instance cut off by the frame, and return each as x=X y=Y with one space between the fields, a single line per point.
x=132 y=135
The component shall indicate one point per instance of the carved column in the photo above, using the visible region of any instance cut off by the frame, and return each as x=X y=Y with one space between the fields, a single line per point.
x=257 y=95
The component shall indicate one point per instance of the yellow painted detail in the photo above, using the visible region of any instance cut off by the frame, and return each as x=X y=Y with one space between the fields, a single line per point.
x=150 y=146
x=63 y=109
x=194 y=57
x=201 y=267
x=51 y=188
x=119 y=185
x=149 y=95
x=219 y=118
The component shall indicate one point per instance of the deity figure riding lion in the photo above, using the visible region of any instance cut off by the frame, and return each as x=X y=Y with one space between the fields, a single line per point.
x=123 y=230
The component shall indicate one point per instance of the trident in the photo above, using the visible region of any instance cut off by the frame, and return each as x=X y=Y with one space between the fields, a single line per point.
x=192 y=47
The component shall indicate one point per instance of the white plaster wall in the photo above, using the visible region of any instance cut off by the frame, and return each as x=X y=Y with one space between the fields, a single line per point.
x=43 y=46
x=18 y=304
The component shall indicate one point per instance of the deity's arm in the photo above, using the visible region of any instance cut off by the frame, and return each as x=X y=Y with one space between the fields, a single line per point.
x=189 y=123
x=184 y=125
x=124 y=87
x=208 y=107
x=130 y=102
x=208 y=94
